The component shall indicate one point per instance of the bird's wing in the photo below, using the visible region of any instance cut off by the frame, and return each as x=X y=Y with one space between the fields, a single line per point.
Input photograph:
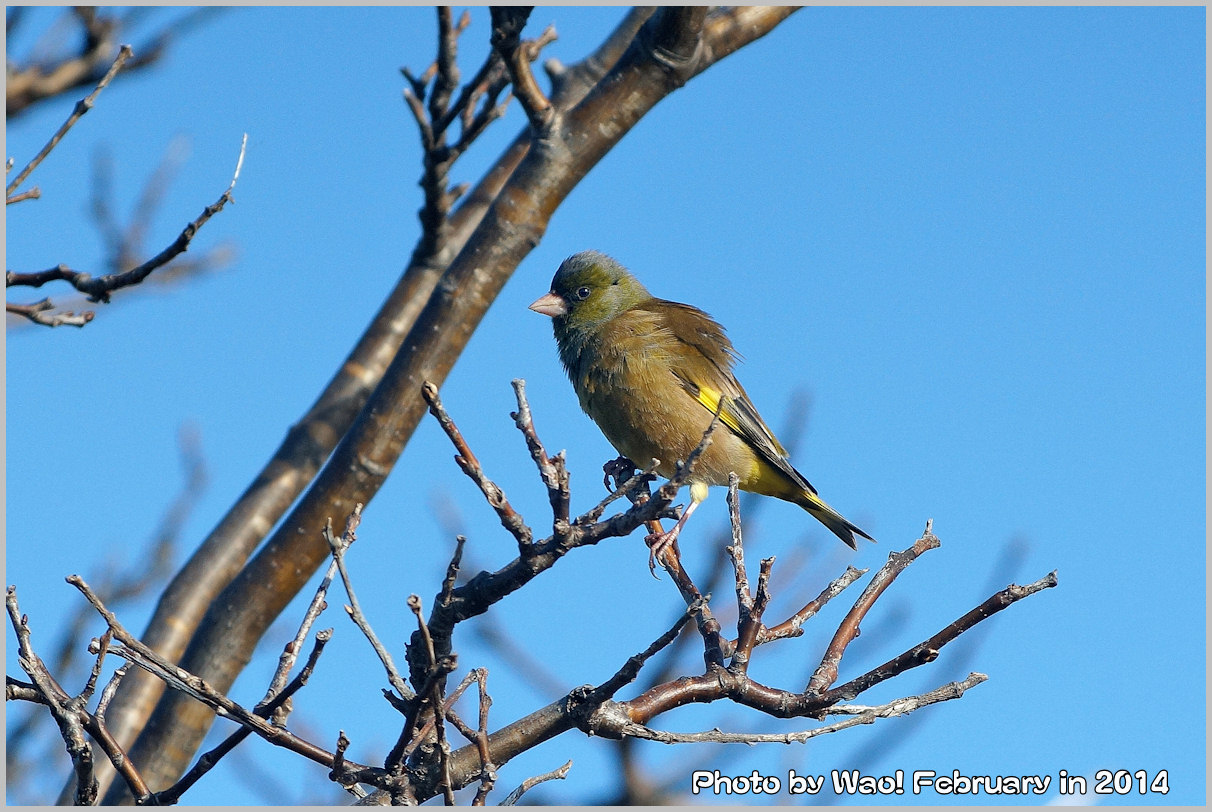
x=705 y=372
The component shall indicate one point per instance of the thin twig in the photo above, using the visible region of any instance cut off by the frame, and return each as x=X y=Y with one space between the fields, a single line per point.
x=82 y=107
x=338 y=546
x=265 y=709
x=560 y=772
x=488 y=770
x=510 y=519
x=631 y=669
x=860 y=716
x=290 y=652
x=91 y=684
x=793 y=626
x=70 y=713
x=111 y=688
x=123 y=584
x=28 y=194
x=447 y=78
x=928 y=650
x=507 y=24
x=749 y=607
x=98 y=289
x=477 y=736
x=435 y=699
x=57 y=700
x=411 y=738
x=38 y=314
x=551 y=469
x=177 y=678
x=452 y=570
x=826 y=673
x=634 y=479
x=338 y=772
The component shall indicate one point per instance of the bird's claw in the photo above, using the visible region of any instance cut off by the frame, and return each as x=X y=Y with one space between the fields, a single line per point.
x=620 y=468
x=658 y=543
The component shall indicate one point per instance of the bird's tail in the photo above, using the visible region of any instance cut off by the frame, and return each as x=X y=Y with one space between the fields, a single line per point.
x=838 y=524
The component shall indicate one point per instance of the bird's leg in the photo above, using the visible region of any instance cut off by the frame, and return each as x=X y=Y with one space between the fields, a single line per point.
x=659 y=542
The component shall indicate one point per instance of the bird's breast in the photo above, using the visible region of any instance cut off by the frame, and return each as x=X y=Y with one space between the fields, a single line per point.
x=629 y=388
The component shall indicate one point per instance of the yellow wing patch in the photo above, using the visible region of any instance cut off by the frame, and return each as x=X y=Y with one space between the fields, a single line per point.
x=711 y=399
x=738 y=414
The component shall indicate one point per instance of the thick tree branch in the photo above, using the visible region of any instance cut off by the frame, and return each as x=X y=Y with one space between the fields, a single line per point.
x=187 y=684
x=511 y=227
x=309 y=442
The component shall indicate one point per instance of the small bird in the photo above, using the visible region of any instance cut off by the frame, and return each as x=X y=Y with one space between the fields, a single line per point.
x=653 y=374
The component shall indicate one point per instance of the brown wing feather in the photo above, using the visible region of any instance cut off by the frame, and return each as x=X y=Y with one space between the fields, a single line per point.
x=709 y=367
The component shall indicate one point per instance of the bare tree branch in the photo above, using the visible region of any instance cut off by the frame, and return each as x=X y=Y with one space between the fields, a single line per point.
x=181 y=680
x=354 y=610
x=99 y=288
x=39 y=313
x=928 y=650
x=301 y=453
x=434 y=682
x=552 y=470
x=859 y=716
x=82 y=107
x=57 y=700
x=70 y=713
x=265 y=709
x=826 y=672
x=119 y=582
x=661 y=60
x=299 y=457
x=29 y=194
x=559 y=773
x=33 y=80
x=507 y=24
x=422 y=764
x=510 y=519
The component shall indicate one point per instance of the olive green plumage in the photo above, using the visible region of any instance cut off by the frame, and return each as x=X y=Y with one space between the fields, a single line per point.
x=651 y=373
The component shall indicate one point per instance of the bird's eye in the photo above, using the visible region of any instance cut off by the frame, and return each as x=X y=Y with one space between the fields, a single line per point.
x=582 y=294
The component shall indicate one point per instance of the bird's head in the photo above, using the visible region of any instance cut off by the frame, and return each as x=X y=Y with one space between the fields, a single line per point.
x=588 y=290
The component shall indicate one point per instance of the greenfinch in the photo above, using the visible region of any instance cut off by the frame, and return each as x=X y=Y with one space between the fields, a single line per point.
x=652 y=374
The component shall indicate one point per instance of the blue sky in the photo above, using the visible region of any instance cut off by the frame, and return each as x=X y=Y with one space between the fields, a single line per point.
x=974 y=238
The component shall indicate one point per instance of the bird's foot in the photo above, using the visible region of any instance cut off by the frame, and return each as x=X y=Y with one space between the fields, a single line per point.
x=659 y=544
x=621 y=469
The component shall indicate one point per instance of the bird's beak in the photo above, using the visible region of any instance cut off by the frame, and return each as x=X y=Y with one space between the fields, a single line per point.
x=550 y=305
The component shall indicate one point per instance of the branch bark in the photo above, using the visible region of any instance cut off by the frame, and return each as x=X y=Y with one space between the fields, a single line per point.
x=673 y=46
x=421 y=765
x=311 y=440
